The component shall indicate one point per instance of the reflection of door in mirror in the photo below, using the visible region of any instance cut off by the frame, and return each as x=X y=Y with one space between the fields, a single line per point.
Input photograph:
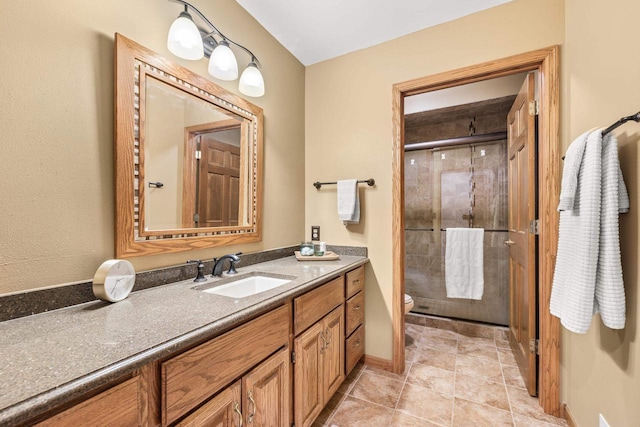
x=215 y=177
x=182 y=132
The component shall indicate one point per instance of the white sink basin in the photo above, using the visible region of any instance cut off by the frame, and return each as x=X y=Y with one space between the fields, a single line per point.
x=247 y=286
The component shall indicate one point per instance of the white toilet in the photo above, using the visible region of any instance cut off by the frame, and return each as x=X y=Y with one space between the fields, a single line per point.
x=408 y=303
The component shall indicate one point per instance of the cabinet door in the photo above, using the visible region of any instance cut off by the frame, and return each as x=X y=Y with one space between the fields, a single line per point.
x=308 y=396
x=221 y=411
x=265 y=390
x=333 y=355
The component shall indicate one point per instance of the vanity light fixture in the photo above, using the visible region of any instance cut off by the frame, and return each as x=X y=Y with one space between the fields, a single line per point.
x=186 y=40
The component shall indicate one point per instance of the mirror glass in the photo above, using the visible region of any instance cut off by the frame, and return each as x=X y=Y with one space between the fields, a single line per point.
x=188 y=158
x=192 y=161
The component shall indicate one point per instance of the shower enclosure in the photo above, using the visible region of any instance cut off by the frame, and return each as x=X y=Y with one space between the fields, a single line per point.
x=457 y=186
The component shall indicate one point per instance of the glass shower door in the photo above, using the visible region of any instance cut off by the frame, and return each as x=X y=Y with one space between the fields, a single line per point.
x=462 y=186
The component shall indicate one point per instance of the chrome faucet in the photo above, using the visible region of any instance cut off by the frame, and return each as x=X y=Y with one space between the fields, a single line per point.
x=219 y=262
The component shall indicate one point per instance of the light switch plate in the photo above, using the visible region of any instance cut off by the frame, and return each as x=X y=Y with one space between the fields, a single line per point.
x=315 y=232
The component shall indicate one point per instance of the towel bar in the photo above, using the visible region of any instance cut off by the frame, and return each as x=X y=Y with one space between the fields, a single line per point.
x=370 y=182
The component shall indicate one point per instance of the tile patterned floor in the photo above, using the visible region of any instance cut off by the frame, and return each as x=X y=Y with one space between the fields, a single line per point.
x=457 y=374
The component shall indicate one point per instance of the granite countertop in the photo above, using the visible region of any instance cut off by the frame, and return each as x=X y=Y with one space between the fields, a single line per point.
x=53 y=357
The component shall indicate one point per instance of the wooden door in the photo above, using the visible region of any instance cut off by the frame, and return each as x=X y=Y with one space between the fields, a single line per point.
x=522 y=240
x=221 y=411
x=333 y=355
x=308 y=395
x=265 y=389
x=219 y=183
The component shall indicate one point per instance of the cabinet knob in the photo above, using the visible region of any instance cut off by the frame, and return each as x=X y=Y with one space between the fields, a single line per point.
x=356 y=344
x=357 y=307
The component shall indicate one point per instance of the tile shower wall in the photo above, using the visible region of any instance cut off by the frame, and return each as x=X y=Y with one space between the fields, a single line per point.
x=442 y=188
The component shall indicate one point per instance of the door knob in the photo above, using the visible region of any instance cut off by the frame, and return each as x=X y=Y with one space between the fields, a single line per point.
x=509 y=242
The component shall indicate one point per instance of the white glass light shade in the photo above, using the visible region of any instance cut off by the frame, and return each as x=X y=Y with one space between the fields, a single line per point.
x=251 y=81
x=223 y=64
x=184 y=39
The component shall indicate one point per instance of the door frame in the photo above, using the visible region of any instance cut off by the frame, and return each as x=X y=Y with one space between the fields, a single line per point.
x=546 y=62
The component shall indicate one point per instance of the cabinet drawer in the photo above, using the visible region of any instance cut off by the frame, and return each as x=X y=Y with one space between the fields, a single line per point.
x=312 y=306
x=355 y=312
x=355 y=281
x=192 y=377
x=122 y=405
x=355 y=348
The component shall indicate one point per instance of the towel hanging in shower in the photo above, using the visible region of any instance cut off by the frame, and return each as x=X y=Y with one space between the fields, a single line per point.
x=464 y=262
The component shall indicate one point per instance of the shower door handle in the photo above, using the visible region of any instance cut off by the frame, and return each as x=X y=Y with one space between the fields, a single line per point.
x=509 y=242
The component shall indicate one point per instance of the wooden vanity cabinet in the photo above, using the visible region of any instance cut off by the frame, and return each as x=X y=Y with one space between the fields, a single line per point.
x=261 y=398
x=243 y=377
x=319 y=350
x=354 y=325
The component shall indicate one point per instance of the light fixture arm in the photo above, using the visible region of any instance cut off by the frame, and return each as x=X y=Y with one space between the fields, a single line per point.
x=215 y=30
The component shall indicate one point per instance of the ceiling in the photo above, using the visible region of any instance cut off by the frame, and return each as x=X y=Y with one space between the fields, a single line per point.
x=315 y=31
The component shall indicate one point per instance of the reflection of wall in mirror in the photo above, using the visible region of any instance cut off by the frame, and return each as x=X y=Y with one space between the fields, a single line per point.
x=171 y=111
x=163 y=150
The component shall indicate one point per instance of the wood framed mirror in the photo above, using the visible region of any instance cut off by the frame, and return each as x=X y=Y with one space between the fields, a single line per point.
x=188 y=158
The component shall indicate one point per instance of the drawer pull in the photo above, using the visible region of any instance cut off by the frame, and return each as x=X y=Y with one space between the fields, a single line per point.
x=328 y=334
x=357 y=307
x=356 y=344
x=355 y=282
x=236 y=409
x=324 y=343
x=253 y=406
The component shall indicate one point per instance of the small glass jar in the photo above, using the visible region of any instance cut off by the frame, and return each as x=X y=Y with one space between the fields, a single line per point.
x=306 y=249
x=319 y=248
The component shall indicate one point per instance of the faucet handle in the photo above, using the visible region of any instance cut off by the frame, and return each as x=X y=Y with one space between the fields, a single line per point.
x=200 y=277
x=232 y=268
x=232 y=265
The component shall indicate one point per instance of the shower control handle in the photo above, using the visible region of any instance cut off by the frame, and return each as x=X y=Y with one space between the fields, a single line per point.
x=509 y=242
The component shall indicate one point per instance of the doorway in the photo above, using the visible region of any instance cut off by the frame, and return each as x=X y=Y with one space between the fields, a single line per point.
x=212 y=168
x=545 y=61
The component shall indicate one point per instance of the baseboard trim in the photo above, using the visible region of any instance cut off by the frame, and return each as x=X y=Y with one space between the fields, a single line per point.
x=569 y=416
x=378 y=362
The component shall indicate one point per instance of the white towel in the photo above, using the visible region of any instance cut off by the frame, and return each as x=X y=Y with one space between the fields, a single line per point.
x=572 y=293
x=348 y=201
x=464 y=275
x=609 y=290
x=588 y=274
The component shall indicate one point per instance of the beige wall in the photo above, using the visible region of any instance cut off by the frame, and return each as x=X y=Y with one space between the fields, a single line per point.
x=348 y=125
x=601 y=369
x=56 y=132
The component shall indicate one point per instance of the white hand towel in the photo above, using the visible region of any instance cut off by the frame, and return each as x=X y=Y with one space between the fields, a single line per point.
x=348 y=201
x=464 y=275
